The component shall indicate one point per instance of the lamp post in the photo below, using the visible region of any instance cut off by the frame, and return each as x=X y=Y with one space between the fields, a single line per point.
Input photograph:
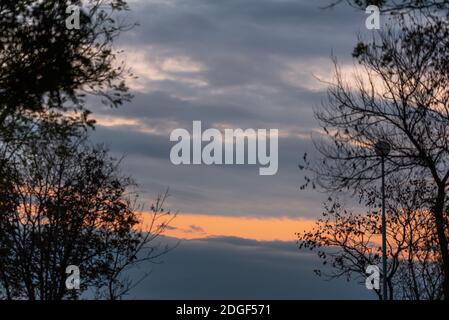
x=382 y=149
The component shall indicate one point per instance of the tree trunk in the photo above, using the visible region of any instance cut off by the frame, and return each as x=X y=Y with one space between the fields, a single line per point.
x=438 y=212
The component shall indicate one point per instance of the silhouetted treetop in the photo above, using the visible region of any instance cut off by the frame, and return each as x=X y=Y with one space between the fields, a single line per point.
x=45 y=65
x=395 y=6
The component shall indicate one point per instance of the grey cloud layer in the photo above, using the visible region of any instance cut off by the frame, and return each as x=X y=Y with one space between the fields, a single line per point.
x=246 y=48
x=256 y=62
x=228 y=190
x=234 y=268
x=247 y=28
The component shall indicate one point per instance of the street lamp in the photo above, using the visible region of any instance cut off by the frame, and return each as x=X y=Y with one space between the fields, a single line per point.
x=382 y=149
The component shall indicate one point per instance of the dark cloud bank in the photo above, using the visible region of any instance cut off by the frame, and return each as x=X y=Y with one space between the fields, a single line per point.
x=246 y=48
x=235 y=268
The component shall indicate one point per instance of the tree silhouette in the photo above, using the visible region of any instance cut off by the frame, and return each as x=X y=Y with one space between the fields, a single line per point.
x=398 y=6
x=45 y=65
x=398 y=94
x=63 y=201
x=49 y=70
x=66 y=203
x=349 y=242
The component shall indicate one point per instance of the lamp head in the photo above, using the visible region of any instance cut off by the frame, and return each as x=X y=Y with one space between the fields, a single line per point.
x=382 y=148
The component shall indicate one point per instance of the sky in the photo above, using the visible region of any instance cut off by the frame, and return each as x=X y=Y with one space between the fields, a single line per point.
x=230 y=64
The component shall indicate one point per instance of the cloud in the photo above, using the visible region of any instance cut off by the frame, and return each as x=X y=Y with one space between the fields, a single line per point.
x=170 y=228
x=220 y=189
x=237 y=64
x=235 y=268
x=265 y=27
x=195 y=229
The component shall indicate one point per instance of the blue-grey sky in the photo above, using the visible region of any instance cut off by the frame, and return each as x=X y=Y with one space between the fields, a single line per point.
x=234 y=63
x=235 y=268
x=231 y=64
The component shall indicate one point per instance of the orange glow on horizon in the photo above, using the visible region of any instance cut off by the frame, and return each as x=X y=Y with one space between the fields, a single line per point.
x=194 y=226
